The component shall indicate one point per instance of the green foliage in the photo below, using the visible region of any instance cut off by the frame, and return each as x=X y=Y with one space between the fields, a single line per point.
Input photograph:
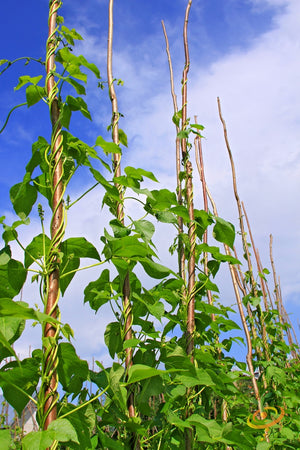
x=173 y=393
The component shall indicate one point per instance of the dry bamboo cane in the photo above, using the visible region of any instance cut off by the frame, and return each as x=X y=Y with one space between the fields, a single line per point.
x=120 y=209
x=260 y=312
x=190 y=325
x=277 y=302
x=49 y=376
x=244 y=241
x=181 y=256
x=234 y=276
x=200 y=165
x=263 y=288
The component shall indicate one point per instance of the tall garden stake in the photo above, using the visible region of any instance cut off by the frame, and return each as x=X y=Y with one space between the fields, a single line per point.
x=120 y=209
x=49 y=395
x=181 y=255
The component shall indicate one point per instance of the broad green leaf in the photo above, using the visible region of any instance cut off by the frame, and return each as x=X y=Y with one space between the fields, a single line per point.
x=107 y=442
x=25 y=79
x=26 y=376
x=92 y=67
x=113 y=338
x=197 y=126
x=177 y=117
x=119 y=391
x=118 y=228
x=5 y=440
x=78 y=104
x=72 y=371
x=10 y=308
x=68 y=268
x=123 y=138
x=37 y=249
x=23 y=196
x=130 y=246
x=12 y=328
x=224 y=232
x=107 y=147
x=80 y=420
x=37 y=440
x=80 y=248
x=80 y=89
x=153 y=269
x=5 y=255
x=63 y=430
x=145 y=228
x=173 y=419
x=181 y=211
x=139 y=173
x=65 y=116
x=111 y=190
x=12 y=278
x=34 y=94
x=139 y=372
x=5 y=348
x=98 y=292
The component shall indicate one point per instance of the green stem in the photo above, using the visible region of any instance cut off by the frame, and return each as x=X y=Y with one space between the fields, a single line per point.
x=9 y=114
x=83 y=268
x=85 y=193
x=28 y=58
x=84 y=404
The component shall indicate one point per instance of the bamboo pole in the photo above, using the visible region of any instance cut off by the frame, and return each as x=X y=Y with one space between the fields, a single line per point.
x=51 y=330
x=181 y=256
x=127 y=312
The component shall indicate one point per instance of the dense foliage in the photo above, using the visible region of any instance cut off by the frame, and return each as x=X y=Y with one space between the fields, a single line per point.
x=169 y=385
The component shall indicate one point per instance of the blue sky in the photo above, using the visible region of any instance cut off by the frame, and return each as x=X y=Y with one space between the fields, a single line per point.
x=245 y=51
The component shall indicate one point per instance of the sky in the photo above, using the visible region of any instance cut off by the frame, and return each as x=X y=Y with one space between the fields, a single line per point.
x=244 y=51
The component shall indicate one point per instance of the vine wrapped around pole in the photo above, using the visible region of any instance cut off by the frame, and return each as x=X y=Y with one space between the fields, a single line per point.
x=127 y=313
x=48 y=392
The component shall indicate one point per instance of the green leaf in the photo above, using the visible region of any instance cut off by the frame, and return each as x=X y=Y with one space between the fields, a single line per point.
x=139 y=173
x=78 y=104
x=80 y=89
x=5 y=348
x=98 y=292
x=68 y=268
x=34 y=94
x=63 y=431
x=25 y=79
x=26 y=376
x=123 y=138
x=113 y=338
x=5 y=255
x=72 y=371
x=145 y=228
x=139 y=372
x=80 y=248
x=118 y=228
x=5 y=440
x=153 y=269
x=110 y=189
x=108 y=147
x=23 y=196
x=12 y=278
x=37 y=249
x=37 y=440
x=177 y=117
x=11 y=308
x=224 y=232
x=129 y=247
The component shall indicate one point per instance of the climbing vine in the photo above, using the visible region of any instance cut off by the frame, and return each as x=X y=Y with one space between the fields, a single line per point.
x=172 y=381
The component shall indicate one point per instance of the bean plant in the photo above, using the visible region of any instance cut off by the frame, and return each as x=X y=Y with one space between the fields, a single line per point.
x=172 y=382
